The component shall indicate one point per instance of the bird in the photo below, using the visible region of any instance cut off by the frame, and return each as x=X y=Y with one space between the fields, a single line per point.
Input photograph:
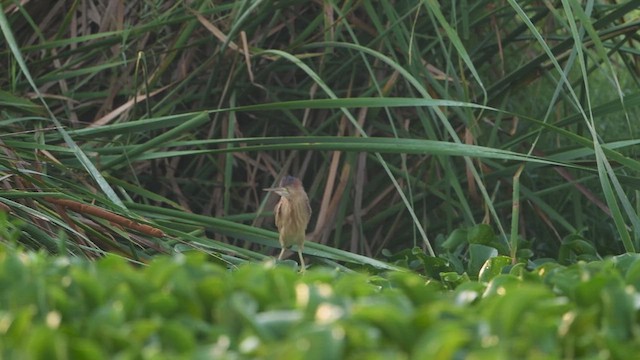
x=292 y=214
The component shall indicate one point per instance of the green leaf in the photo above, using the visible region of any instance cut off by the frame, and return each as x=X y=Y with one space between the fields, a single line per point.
x=435 y=266
x=456 y=238
x=493 y=267
x=481 y=234
x=478 y=255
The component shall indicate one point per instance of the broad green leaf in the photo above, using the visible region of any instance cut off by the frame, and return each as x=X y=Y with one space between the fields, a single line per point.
x=493 y=267
x=478 y=255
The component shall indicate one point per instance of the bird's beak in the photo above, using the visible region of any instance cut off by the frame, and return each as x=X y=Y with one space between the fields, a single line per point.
x=278 y=190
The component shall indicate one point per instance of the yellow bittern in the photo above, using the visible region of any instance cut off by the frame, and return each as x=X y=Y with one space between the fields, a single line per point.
x=292 y=214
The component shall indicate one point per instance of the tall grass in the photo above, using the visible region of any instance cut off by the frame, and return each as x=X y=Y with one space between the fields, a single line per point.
x=405 y=120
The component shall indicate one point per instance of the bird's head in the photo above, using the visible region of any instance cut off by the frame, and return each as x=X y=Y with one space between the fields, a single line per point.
x=289 y=185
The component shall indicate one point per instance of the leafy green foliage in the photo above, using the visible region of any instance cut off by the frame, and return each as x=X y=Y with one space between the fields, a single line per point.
x=406 y=120
x=188 y=307
x=421 y=129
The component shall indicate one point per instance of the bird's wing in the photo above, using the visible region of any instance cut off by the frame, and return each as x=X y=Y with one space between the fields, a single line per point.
x=278 y=213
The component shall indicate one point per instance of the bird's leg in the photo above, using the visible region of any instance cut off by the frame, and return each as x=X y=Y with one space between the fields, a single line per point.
x=302 y=266
x=281 y=253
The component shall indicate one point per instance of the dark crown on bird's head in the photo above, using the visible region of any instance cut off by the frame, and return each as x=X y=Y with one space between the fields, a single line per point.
x=290 y=181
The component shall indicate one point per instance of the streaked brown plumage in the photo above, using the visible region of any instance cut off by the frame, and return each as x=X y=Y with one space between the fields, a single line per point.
x=292 y=214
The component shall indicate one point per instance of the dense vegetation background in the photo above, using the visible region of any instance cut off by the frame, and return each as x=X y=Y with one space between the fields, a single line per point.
x=406 y=121
x=464 y=157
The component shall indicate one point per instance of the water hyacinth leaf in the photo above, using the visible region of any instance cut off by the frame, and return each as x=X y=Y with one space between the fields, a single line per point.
x=176 y=337
x=515 y=306
x=625 y=262
x=447 y=341
x=357 y=285
x=576 y=247
x=278 y=323
x=481 y=234
x=322 y=341
x=85 y=349
x=521 y=272
x=362 y=336
x=44 y=342
x=499 y=285
x=493 y=267
x=522 y=255
x=478 y=254
x=619 y=311
x=162 y=304
x=590 y=290
x=632 y=274
x=236 y=313
x=434 y=266
x=457 y=237
x=388 y=313
x=453 y=279
x=467 y=293
x=417 y=288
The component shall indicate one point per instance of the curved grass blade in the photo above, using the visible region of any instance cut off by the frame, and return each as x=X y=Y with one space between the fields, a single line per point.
x=82 y=157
